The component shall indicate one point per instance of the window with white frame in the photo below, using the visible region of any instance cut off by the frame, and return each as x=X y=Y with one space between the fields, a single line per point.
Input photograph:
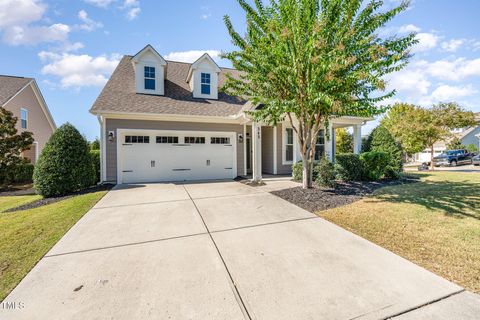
x=24 y=118
x=205 y=83
x=149 y=73
x=320 y=145
x=288 y=145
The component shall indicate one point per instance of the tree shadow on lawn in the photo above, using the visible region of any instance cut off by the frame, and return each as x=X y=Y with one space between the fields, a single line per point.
x=457 y=199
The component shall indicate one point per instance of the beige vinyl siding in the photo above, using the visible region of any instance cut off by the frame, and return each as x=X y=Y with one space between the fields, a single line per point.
x=114 y=124
x=37 y=122
x=281 y=168
x=267 y=150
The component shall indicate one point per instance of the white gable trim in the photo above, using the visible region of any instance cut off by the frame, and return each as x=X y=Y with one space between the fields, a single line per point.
x=40 y=99
x=197 y=63
x=149 y=48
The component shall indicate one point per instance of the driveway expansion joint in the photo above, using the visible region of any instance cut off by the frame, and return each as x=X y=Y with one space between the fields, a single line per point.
x=233 y=285
x=423 y=305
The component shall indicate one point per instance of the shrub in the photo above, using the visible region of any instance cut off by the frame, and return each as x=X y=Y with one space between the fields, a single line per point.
x=21 y=172
x=375 y=164
x=381 y=140
x=297 y=171
x=325 y=174
x=472 y=148
x=349 y=167
x=95 y=154
x=65 y=164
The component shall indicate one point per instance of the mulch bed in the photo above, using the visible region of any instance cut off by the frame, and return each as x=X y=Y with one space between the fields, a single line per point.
x=17 y=190
x=319 y=198
x=45 y=201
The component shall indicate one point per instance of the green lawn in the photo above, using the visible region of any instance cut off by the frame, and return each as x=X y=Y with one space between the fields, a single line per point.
x=28 y=235
x=434 y=223
x=15 y=201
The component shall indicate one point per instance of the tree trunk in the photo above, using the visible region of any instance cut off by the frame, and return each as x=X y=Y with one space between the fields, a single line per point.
x=432 y=153
x=306 y=172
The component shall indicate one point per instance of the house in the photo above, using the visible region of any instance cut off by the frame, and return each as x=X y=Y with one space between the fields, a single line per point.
x=467 y=136
x=23 y=97
x=168 y=121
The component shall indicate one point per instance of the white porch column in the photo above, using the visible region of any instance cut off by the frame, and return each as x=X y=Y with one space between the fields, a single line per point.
x=257 y=151
x=357 y=138
x=329 y=143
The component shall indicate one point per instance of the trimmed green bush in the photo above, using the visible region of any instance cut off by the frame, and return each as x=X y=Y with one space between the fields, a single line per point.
x=349 y=167
x=325 y=174
x=20 y=173
x=297 y=171
x=375 y=164
x=381 y=140
x=65 y=164
x=95 y=154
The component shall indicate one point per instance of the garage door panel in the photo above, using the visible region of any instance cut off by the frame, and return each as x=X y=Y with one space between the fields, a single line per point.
x=151 y=162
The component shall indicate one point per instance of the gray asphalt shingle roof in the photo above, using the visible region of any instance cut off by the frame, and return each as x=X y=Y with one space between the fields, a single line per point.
x=10 y=85
x=119 y=94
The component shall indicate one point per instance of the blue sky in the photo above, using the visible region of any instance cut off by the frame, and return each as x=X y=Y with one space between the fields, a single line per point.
x=71 y=47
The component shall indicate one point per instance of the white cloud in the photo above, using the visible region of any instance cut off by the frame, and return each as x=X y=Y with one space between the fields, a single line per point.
x=100 y=3
x=452 y=45
x=27 y=35
x=449 y=93
x=409 y=82
x=426 y=41
x=20 y=12
x=133 y=13
x=17 y=23
x=192 y=55
x=453 y=70
x=408 y=28
x=78 y=70
x=132 y=7
x=88 y=24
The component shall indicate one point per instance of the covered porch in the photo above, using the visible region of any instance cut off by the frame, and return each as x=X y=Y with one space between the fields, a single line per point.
x=272 y=150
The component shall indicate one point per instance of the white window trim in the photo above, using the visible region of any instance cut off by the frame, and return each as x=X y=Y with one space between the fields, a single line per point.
x=26 y=112
x=284 y=145
x=150 y=78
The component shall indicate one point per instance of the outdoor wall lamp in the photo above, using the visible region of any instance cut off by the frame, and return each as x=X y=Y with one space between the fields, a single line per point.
x=111 y=136
x=240 y=138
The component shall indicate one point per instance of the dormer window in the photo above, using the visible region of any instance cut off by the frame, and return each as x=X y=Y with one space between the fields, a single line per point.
x=205 y=77
x=149 y=78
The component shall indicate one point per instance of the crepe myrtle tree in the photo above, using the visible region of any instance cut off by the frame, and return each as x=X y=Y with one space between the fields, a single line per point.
x=310 y=60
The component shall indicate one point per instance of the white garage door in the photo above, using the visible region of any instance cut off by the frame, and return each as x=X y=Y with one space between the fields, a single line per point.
x=153 y=156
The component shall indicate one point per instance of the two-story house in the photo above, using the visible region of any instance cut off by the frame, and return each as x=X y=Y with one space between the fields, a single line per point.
x=168 y=121
x=23 y=98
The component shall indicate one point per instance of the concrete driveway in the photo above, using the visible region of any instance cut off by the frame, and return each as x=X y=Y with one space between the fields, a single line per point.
x=220 y=250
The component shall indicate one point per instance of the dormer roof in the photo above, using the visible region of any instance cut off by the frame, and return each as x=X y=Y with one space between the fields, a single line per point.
x=148 y=48
x=196 y=64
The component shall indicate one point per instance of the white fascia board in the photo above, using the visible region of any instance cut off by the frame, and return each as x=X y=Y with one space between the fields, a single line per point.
x=167 y=117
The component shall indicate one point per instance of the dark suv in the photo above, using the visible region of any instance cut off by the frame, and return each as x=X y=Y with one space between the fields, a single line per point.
x=453 y=158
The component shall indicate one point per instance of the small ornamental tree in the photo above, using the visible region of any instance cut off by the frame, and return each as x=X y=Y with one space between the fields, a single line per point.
x=11 y=144
x=65 y=164
x=418 y=128
x=344 y=141
x=308 y=61
x=455 y=143
x=380 y=140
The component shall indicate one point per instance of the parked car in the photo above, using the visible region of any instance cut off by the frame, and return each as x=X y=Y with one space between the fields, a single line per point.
x=476 y=160
x=453 y=158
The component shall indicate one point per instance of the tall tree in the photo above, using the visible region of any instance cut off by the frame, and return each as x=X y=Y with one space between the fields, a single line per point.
x=344 y=141
x=418 y=128
x=11 y=143
x=310 y=60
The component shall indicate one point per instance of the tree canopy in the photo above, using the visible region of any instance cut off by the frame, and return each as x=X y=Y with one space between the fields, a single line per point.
x=11 y=143
x=309 y=60
x=344 y=141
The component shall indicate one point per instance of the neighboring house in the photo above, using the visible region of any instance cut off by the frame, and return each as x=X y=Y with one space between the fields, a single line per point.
x=167 y=121
x=467 y=136
x=23 y=97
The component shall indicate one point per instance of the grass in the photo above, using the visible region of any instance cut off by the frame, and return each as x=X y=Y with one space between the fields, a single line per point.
x=28 y=235
x=434 y=223
x=8 y=202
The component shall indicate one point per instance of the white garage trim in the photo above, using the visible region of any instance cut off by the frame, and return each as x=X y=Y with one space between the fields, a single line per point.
x=151 y=132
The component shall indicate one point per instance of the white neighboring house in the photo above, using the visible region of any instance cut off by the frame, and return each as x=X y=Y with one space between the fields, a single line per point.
x=467 y=136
